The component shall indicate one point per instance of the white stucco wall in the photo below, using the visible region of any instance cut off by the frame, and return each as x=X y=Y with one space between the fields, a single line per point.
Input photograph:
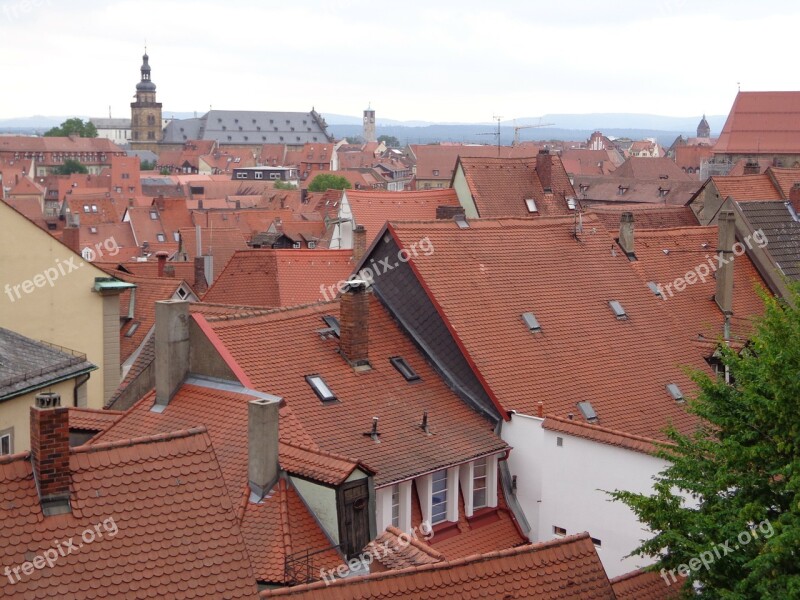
x=322 y=502
x=464 y=195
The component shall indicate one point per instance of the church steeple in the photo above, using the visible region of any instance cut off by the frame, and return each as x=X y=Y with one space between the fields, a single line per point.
x=146 y=128
x=703 y=128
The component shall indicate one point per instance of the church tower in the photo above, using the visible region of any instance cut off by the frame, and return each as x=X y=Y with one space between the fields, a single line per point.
x=703 y=129
x=146 y=129
x=369 y=125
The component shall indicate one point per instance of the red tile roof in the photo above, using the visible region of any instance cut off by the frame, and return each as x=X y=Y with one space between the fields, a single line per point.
x=564 y=568
x=643 y=168
x=582 y=161
x=762 y=123
x=784 y=179
x=219 y=242
x=745 y=188
x=690 y=157
x=646 y=216
x=123 y=486
x=92 y=419
x=500 y=186
x=694 y=307
x=603 y=435
x=481 y=289
x=624 y=189
x=373 y=208
x=391 y=551
x=405 y=450
x=642 y=585
x=438 y=161
x=273 y=278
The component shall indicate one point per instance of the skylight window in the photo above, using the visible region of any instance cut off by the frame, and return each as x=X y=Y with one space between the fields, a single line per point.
x=531 y=322
x=588 y=412
x=153 y=215
x=571 y=203
x=461 y=221
x=320 y=388
x=333 y=323
x=675 y=392
x=531 y=204
x=619 y=312
x=654 y=288
x=399 y=363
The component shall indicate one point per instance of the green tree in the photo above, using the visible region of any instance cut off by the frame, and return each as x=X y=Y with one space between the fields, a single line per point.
x=328 y=181
x=71 y=166
x=165 y=171
x=284 y=185
x=389 y=140
x=147 y=165
x=742 y=470
x=74 y=126
x=354 y=139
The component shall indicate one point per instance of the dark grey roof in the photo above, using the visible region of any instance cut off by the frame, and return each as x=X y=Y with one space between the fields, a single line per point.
x=26 y=364
x=250 y=127
x=781 y=230
x=103 y=123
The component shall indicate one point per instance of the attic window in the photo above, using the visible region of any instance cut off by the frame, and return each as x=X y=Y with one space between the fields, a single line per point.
x=655 y=289
x=182 y=293
x=531 y=204
x=399 y=363
x=86 y=208
x=531 y=322
x=94 y=208
x=619 y=312
x=132 y=329
x=154 y=215
x=571 y=203
x=161 y=237
x=675 y=392
x=320 y=388
x=92 y=229
x=559 y=530
x=177 y=236
x=436 y=172
x=588 y=412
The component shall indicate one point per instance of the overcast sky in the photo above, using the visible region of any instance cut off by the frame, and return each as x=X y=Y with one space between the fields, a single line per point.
x=428 y=60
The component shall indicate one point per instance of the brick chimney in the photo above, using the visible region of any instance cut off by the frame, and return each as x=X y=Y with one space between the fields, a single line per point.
x=448 y=212
x=544 y=168
x=751 y=167
x=794 y=198
x=262 y=445
x=726 y=224
x=359 y=242
x=161 y=256
x=626 y=234
x=200 y=284
x=172 y=348
x=50 y=452
x=71 y=237
x=354 y=323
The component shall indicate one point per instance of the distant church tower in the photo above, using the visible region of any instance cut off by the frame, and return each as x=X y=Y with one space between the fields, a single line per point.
x=369 y=126
x=703 y=129
x=146 y=129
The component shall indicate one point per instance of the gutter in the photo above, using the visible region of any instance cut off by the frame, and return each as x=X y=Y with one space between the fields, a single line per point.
x=79 y=382
x=48 y=383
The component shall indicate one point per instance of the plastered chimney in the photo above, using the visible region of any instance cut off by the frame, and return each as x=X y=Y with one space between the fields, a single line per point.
x=726 y=225
x=626 y=233
x=172 y=348
x=262 y=445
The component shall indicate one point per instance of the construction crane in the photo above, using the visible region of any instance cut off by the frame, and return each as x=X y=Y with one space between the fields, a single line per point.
x=518 y=127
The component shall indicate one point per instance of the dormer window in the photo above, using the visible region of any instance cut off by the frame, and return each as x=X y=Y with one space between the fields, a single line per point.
x=154 y=215
x=320 y=388
x=439 y=497
x=479 y=484
x=531 y=322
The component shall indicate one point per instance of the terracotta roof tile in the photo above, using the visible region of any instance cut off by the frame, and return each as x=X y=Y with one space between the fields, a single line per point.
x=601 y=434
x=744 y=188
x=565 y=568
x=644 y=168
x=92 y=419
x=120 y=488
x=785 y=179
x=642 y=585
x=646 y=216
x=218 y=242
x=567 y=282
x=761 y=123
x=272 y=278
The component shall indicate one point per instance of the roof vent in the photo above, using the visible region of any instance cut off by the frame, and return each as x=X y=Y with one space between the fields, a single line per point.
x=619 y=312
x=531 y=322
x=675 y=392
x=461 y=221
x=655 y=288
x=373 y=434
x=588 y=412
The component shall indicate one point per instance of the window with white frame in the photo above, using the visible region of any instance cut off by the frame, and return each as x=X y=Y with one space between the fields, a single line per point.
x=6 y=441
x=439 y=496
x=479 y=484
x=396 y=505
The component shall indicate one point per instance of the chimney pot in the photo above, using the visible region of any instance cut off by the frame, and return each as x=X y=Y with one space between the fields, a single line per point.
x=544 y=168
x=262 y=444
x=626 y=233
x=354 y=323
x=50 y=452
x=172 y=348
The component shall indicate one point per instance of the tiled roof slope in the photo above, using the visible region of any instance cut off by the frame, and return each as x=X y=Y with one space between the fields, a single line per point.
x=782 y=231
x=438 y=161
x=218 y=242
x=747 y=187
x=561 y=569
x=405 y=450
x=762 y=123
x=625 y=189
x=500 y=186
x=637 y=167
x=784 y=178
x=645 y=216
x=27 y=364
x=583 y=351
x=391 y=551
x=273 y=278
x=687 y=248
x=642 y=585
x=177 y=533
x=92 y=419
x=601 y=434
x=372 y=208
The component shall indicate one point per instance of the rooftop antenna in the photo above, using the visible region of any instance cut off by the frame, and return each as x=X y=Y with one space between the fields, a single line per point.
x=495 y=133
x=109 y=111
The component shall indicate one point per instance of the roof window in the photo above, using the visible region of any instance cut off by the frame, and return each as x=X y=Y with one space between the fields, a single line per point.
x=675 y=392
x=531 y=322
x=619 y=312
x=531 y=204
x=588 y=412
x=399 y=363
x=320 y=388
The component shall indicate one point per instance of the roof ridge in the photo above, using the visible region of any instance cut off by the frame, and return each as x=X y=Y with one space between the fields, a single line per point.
x=148 y=439
x=108 y=411
x=267 y=312
x=591 y=427
x=422 y=547
x=284 y=506
x=10 y=458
